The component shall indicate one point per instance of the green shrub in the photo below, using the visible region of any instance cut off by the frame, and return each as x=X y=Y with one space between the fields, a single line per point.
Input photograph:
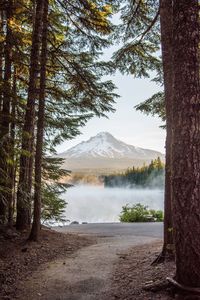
x=157 y=214
x=140 y=213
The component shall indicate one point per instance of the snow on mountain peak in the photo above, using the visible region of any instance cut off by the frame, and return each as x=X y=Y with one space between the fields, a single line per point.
x=105 y=145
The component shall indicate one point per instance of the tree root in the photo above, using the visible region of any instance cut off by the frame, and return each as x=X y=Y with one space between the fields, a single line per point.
x=183 y=287
x=159 y=259
x=156 y=286
x=166 y=254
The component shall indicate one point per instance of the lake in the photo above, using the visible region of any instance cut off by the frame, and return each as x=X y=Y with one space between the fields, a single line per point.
x=96 y=204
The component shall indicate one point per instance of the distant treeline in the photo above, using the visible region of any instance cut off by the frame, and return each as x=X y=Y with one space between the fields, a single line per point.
x=146 y=176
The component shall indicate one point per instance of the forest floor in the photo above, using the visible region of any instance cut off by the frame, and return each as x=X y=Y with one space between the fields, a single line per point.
x=75 y=267
x=135 y=278
x=19 y=259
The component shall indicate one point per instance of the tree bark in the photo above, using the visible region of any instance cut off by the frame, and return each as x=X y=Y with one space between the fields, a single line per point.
x=5 y=119
x=167 y=56
x=2 y=204
x=23 y=193
x=186 y=141
x=1 y=57
x=40 y=130
x=12 y=167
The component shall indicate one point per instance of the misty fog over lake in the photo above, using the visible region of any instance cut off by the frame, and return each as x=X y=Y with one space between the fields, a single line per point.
x=98 y=204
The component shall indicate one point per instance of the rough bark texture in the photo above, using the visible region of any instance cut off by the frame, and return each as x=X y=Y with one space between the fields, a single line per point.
x=166 y=41
x=40 y=130
x=32 y=146
x=2 y=204
x=1 y=56
x=30 y=177
x=12 y=167
x=5 y=118
x=186 y=142
x=23 y=195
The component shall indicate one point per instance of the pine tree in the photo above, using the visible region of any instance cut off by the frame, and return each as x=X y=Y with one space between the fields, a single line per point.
x=40 y=128
x=23 y=194
x=140 y=38
x=74 y=90
x=186 y=148
x=167 y=60
x=6 y=182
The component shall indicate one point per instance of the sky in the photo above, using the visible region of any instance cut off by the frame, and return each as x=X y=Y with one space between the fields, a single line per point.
x=127 y=124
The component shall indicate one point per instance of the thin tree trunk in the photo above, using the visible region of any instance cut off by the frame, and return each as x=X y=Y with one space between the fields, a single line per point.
x=23 y=193
x=30 y=178
x=5 y=119
x=40 y=130
x=186 y=141
x=12 y=150
x=167 y=56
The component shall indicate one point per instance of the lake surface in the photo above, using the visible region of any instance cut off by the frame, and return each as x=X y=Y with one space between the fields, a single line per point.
x=96 y=204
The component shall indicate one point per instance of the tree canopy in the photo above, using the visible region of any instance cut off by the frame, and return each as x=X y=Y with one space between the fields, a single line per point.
x=51 y=83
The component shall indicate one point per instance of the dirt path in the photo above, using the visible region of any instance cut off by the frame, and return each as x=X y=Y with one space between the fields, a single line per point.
x=85 y=275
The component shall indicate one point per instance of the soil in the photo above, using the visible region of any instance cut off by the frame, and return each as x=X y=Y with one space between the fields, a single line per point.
x=134 y=278
x=20 y=258
x=74 y=267
x=85 y=275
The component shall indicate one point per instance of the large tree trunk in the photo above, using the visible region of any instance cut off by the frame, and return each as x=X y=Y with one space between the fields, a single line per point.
x=23 y=193
x=166 y=41
x=5 y=119
x=40 y=130
x=2 y=204
x=1 y=57
x=186 y=141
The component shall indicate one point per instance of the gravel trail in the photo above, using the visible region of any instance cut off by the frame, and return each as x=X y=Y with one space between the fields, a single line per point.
x=86 y=274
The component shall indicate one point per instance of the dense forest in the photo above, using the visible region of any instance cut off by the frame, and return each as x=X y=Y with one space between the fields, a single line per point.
x=151 y=175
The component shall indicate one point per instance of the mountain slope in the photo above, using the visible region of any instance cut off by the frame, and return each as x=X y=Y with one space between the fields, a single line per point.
x=105 y=145
x=104 y=151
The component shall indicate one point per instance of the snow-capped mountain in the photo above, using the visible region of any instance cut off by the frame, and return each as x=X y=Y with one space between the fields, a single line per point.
x=105 y=151
x=105 y=145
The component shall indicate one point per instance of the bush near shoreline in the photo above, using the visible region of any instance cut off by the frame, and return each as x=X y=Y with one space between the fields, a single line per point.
x=140 y=213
